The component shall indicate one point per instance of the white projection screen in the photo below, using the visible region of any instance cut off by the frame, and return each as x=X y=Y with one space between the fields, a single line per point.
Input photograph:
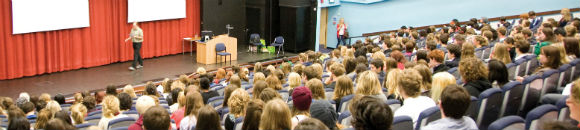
x=47 y=15
x=151 y=10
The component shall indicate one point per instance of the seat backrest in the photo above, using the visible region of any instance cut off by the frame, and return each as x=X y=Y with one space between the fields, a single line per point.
x=95 y=113
x=473 y=108
x=85 y=125
x=511 y=67
x=428 y=115
x=486 y=53
x=564 y=76
x=120 y=128
x=329 y=95
x=213 y=100
x=220 y=47
x=532 y=87
x=279 y=40
x=121 y=122
x=93 y=119
x=402 y=123
x=563 y=109
x=455 y=72
x=238 y=123
x=512 y=97
x=133 y=114
x=550 y=81
x=533 y=64
x=540 y=114
x=219 y=89
x=343 y=116
x=254 y=37
x=489 y=107
x=344 y=102
x=508 y=123
x=521 y=65
x=394 y=104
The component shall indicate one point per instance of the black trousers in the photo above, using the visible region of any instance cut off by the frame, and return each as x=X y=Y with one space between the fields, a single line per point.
x=136 y=54
x=341 y=39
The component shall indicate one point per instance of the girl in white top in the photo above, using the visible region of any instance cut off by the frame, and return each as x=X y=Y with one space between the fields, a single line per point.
x=110 y=111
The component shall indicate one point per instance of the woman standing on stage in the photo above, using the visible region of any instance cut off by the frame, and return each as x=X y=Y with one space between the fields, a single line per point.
x=136 y=37
x=340 y=32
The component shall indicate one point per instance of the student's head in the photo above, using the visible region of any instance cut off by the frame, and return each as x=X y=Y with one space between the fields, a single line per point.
x=54 y=107
x=522 y=46
x=436 y=57
x=64 y=116
x=317 y=88
x=253 y=114
x=501 y=53
x=573 y=101
x=467 y=50
x=110 y=106
x=58 y=124
x=111 y=90
x=129 y=90
x=410 y=83
x=362 y=67
x=294 y=80
x=426 y=76
x=547 y=34
x=343 y=87
x=431 y=45
x=208 y=119
x=440 y=81
x=235 y=80
x=18 y=123
x=143 y=103
x=349 y=64
x=454 y=101
x=237 y=102
x=337 y=69
x=443 y=38
x=204 y=83
x=472 y=69
x=269 y=94
x=273 y=82
x=454 y=51
x=156 y=118
x=42 y=118
x=310 y=124
x=276 y=116
x=368 y=83
x=78 y=112
x=125 y=101
x=570 y=30
x=497 y=72
x=150 y=89
x=398 y=56
x=89 y=102
x=301 y=98
x=377 y=65
x=193 y=102
x=480 y=41
x=572 y=48
x=370 y=113
x=27 y=107
x=392 y=82
x=550 y=57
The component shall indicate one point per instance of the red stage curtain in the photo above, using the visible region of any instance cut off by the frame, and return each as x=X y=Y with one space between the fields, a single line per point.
x=100 y=44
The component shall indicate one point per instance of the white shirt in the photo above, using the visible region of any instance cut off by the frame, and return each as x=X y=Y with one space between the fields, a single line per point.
x=340 y=31
x=187 y=122
x=173 y=107
x=104 y=122
x=296 y=119
x=412 y=107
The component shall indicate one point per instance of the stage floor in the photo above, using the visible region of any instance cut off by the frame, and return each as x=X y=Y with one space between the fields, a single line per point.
x=95 y=78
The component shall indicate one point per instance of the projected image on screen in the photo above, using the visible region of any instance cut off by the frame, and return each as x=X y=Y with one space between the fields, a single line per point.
x=47 y=15
x=151 y=10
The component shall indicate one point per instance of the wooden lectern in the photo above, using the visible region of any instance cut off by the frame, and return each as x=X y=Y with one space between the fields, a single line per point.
x=206 y=50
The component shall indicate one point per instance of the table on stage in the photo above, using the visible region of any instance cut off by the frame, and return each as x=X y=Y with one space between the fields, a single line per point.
x=206 y=50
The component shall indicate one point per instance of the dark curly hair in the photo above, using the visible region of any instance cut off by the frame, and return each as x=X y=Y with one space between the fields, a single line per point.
x=370 y=113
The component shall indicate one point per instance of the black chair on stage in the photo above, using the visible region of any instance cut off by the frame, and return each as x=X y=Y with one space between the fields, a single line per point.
x=279 y=42
x=222 y=47
x=255 y=41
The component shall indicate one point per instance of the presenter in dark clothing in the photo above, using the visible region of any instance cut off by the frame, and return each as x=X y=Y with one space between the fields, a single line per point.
x=136 y=37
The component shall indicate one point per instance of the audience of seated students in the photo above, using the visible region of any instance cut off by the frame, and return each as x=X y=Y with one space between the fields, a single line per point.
x=301 y=100
x=156 y=118
x=546 y=36
x=208 y=119
x=454 y=55
x=237 y=103
x=111 y=111
x=142 y=104
x=276 y=116
x=410 y=90
x=377 y=66
x=253 y=114
x=368 y=84
x=572 y=48
x=474 y=75
x=498 y=73
x=370 y=113
x=501 y=53
x=453 y=104
x=549 y=59
x=125 y=102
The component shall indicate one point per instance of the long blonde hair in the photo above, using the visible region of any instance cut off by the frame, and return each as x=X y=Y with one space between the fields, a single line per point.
x=238 y=101
x=78 y=112
x=440 y=81
x=343 y=87
x=563 y=55
x=565 y=12
x=258 y=76
x=392 y=82
x=43 y=116
x=294 y=80
x=53 y=107
x=276 y=116
x=368 y=84
x=502 y=54
x=110 y=106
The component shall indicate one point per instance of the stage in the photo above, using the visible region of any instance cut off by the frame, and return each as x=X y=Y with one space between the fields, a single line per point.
x=97 y=78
